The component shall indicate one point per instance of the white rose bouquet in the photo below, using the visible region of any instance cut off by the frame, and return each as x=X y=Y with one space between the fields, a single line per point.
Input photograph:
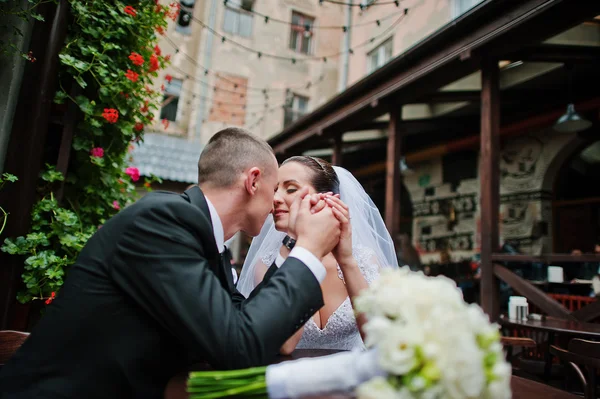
x=424 y=342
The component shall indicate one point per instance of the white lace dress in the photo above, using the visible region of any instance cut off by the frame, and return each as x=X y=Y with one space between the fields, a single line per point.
x=340 y=331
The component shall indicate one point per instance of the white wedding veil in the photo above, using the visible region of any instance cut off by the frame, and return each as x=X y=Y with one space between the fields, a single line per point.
x=368 y=230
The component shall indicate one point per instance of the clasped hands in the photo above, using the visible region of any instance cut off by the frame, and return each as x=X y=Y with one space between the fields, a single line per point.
x=321 y=224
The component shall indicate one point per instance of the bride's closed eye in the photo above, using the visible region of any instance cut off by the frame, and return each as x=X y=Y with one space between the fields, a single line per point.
x=291 y=190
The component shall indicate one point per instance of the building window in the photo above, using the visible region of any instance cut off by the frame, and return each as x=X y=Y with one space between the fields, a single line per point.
x=170 y=102
x=462 y=6
x=238 y=18
x=295 y=108
x=301 y=35
x=380 y=55
x=184 y=20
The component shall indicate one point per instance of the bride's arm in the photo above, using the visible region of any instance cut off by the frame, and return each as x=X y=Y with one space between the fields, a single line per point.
x=353 y=276
x=355 y=283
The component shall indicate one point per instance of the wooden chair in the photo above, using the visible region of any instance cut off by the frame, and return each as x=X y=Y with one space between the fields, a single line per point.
x=585 y=353
x=10 y=341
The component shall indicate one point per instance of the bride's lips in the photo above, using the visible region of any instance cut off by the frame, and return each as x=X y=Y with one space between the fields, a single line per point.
x=279 y=212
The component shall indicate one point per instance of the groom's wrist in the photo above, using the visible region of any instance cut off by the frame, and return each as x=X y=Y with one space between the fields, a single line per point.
x=310 y=260
x=310 y=246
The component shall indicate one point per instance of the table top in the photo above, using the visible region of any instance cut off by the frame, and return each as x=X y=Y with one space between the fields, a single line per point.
x=552 y=324
x=521 y=387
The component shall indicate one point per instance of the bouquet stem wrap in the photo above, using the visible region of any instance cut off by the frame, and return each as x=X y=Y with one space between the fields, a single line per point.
x=341 y=372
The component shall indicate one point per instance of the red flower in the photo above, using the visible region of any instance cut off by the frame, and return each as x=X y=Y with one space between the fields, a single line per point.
x=134 y=173
x=157 y=50
x=133 y=76
x=111 y=115
x=147 y=184
x=160 y=30
x=149 y=90
x=162 y=87
x=154 y=65
x=120 y=181
x=125 y=95
x=116 y=205
x=145 y=107
x=165 y=123
x=130 y=10
x=30 y=56
x=168 y=78
x=168 y=57
x=51 y=298
x=97 y=152
x=139 y=126
x=136 y=58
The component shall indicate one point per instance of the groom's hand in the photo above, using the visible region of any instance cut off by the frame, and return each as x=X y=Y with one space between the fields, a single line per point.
x=317 y=203
x=318 y=232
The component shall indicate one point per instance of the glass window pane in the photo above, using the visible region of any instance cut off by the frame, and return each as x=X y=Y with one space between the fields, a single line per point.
x=293 y=39
x=169 y=111
x=229 y=20
x=245 y=27
x=296 y=19
x=306 y=41
x=174 y=87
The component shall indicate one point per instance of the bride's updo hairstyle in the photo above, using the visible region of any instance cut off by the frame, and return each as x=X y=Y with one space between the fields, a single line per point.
x=324 y=179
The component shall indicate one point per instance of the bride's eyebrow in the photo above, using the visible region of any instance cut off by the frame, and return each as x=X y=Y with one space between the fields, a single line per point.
x=285 y=183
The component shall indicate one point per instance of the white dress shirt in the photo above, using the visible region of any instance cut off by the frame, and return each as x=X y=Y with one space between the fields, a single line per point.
x=302 y=254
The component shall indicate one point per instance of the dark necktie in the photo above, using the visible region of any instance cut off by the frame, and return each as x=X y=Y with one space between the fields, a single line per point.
x=226 y=266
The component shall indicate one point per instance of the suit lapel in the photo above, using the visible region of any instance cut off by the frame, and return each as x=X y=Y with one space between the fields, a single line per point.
x=196 y=197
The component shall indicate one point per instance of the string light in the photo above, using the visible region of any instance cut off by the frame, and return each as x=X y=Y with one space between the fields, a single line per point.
x=268 y=18
x=308 y=58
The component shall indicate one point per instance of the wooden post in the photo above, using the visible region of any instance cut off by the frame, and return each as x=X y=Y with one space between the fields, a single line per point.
x=489 y=184
x=393 y=178
x=336 y=157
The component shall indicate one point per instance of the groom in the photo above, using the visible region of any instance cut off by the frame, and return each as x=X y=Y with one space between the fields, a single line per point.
x=150 y=295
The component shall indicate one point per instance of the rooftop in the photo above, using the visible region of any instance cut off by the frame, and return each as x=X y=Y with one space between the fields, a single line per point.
x=168 y=157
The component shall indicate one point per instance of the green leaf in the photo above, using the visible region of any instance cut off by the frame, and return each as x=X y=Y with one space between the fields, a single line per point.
x=80 y=143
x=52 y=175
x=85 y=105
x=71 y=61
x=80 y=81
x=59 y=97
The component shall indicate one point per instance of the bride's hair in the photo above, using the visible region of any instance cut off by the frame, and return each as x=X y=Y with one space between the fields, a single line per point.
x=324 y=179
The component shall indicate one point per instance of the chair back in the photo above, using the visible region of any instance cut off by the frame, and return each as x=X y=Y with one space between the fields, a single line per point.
x=584 y=353
x=10 y=341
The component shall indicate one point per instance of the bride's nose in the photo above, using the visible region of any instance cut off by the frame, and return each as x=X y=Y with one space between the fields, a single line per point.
x=277 y=199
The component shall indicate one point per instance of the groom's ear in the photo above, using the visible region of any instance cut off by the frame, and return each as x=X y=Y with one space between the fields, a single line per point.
x=252 y=181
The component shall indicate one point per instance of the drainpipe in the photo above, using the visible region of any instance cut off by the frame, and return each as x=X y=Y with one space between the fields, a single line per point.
x=343 y=81
x=207 y=61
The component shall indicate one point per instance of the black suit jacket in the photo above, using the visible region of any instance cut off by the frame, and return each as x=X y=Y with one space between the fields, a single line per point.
x=146 y=298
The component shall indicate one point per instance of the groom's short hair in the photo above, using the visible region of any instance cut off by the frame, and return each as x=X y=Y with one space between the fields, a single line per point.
x=228 y=153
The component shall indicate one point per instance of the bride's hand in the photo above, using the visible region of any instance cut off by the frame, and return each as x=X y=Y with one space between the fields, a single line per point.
x=343 y=251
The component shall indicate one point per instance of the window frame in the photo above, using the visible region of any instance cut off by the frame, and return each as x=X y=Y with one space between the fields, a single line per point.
x=300 y=29
x=293 y=112
x=239 y=11
x=171 y=97
x=380 y=51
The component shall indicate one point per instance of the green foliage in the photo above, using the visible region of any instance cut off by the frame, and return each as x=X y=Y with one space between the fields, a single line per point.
x=5 y=178
x=105 y=44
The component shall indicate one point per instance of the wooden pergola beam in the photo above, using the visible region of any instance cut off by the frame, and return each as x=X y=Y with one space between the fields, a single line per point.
x=336 y=157
x=393 y=178
x=489 y=174
x=557 y=53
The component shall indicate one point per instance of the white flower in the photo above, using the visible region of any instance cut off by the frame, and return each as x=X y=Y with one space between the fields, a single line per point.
x=397 y=351
x=376 y=388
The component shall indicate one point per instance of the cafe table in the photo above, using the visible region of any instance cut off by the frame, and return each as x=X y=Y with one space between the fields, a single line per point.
x=521 y=387
x=554 y=326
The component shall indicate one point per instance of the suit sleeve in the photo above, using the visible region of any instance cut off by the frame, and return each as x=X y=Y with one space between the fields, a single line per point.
x=160 y=263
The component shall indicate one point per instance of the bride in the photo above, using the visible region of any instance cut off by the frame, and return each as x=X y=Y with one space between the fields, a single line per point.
x=365 y=247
